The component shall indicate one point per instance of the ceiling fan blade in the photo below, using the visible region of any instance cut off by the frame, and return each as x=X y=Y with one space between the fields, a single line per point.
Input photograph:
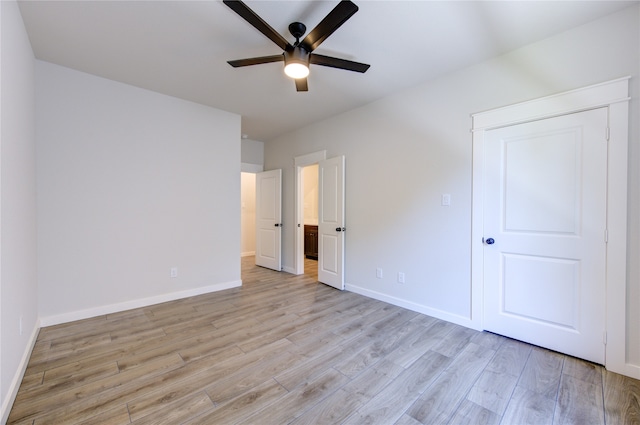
x=338 y=16
x=301 y=84
x=256 y=61
x=338 y=63
x=250 y=16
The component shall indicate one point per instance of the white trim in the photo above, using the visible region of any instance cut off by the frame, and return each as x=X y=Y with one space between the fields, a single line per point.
x=4 y=404
x=310 y=158
x=14 y=386
x=299 y=163
x=438 y=314
x=591 y=97
x=245 y=167
x=613 y=95
x=616 y=352
x=128 y=305
x=247 y=254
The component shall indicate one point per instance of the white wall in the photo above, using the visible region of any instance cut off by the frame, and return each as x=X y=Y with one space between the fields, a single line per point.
x=18 y=285
x=248 y=217
x=404 y=151
x=252 y=152
x=130 y=184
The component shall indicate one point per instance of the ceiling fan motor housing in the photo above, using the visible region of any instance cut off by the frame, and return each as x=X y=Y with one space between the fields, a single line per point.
x=296 y=55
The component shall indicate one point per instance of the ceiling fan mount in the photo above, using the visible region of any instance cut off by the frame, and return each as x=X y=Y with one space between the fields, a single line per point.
x=299 y=55
x=297 y=29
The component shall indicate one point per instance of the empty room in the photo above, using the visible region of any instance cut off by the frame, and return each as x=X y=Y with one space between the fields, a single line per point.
x=322 y=212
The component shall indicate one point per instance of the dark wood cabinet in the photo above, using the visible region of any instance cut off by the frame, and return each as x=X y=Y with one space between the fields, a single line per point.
x=311 y=241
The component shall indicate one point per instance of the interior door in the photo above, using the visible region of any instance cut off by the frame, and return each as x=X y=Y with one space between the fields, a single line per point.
x=545 y=233
x=331 y=226
x=269 y=219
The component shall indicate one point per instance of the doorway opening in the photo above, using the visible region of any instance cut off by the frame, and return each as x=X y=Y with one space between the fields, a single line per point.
x=309 y=222
x=331 y=217
x=247 y=214
x=305 y=165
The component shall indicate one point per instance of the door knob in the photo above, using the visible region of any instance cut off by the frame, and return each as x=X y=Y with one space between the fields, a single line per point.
x=340 y=229
x=490 y=241
x=278 y=224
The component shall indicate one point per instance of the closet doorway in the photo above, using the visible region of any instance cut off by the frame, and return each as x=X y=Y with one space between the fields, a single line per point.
x=247 y=214
x=309 y=206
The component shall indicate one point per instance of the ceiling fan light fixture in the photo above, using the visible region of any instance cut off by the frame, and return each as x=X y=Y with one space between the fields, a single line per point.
x=296 y=70
x=296 y=63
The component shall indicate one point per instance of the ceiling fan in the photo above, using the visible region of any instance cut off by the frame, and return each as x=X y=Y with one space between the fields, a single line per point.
x=298 y=56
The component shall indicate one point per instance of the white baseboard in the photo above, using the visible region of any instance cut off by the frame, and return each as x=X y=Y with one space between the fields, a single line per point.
x=289 y=269
x=14 y=386
x=128 y=305
x=248 y=254
x=626 y=369
x=438 y=314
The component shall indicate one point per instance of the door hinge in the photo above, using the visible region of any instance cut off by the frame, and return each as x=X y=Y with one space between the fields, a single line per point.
x=606 y=235
x=607 y=133
x=604 y=337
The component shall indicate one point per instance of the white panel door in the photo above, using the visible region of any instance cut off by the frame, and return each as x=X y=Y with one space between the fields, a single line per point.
x=544 y=230
x=269 y=219
x=331 y=227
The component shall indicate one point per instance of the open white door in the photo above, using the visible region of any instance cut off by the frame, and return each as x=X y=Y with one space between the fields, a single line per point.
x=545 y=233
x=269 y=219
x=331 y=226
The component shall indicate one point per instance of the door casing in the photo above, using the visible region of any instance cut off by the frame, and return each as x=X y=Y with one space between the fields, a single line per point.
x=613 y=95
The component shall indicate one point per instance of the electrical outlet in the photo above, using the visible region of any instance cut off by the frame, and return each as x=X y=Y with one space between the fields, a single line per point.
x=446 y=199
x=174 y=272
x=400 y=277
x=379 y=273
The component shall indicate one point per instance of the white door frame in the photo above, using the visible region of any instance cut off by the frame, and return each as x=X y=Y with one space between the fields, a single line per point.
x=615 y=96
x=299 y=163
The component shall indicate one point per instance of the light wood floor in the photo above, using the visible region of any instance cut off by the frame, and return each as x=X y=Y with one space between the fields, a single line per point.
x=286 y=349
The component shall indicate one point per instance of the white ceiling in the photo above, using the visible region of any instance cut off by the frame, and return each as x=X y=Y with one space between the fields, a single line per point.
x=180 y=48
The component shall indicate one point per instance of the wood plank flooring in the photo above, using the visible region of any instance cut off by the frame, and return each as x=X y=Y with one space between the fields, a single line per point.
x=286 y=349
